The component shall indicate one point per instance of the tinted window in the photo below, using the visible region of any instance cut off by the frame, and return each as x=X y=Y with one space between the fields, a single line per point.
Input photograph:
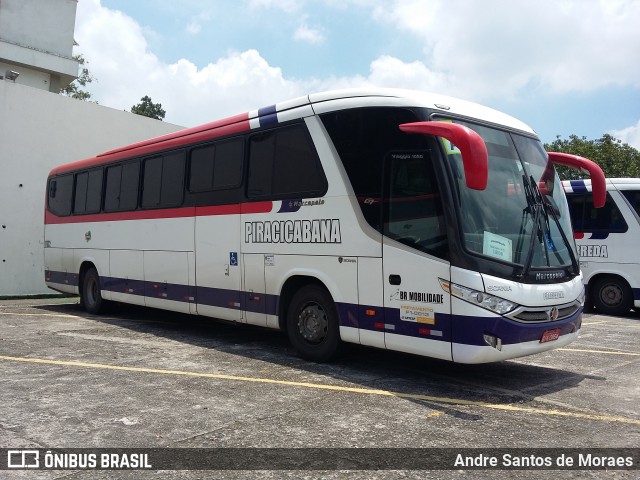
x=363 y=137
x=216 y=167
x=88 y=192
x=60 y=194
x=163 y=182
x=152 y=183
x=586 y=218
x=82 y=180
x=284 y=163
x=94 y=192
x=129 y=186
x=413 y=206
x=112 y=188
x=633 y=197
x=121 y=190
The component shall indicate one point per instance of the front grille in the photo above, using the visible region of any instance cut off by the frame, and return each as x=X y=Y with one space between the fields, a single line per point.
x=533 y=315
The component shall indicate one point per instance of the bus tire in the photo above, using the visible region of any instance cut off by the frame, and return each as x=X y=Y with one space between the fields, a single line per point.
x=611 y=295
x=312 y=324
x=90 y=295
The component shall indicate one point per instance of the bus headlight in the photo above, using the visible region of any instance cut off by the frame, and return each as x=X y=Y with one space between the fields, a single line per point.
x=582 y=297
x=481 y=299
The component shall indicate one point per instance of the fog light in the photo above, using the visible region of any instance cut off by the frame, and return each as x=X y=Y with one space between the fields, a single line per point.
x=492 y=341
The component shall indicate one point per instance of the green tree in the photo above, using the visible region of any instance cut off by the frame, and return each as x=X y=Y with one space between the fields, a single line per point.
x=616 y=159
x=147 y=108
x=75 y=88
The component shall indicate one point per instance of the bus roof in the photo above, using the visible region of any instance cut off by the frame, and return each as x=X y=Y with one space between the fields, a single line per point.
x=577 y=186
x=298 y=108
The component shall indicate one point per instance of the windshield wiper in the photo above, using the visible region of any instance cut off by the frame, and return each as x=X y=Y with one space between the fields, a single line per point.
x=541 y=228
x=534 y=208
x=556 y=219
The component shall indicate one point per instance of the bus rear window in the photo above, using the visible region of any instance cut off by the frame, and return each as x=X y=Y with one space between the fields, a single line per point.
x=60 y=195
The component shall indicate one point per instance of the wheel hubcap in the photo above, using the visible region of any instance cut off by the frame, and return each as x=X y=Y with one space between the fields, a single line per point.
x=313 y=323
x=611 y=295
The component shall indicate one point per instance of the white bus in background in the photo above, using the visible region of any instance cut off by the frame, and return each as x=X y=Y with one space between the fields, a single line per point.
x=608 y=241
x=395 y=219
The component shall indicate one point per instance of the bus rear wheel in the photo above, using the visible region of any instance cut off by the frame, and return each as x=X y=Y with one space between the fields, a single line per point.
x=611 y=296
x=312 y=324
x=90 y=295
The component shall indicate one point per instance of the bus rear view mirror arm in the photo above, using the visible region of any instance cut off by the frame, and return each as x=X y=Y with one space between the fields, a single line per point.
x=598 y=182
x=471 y=146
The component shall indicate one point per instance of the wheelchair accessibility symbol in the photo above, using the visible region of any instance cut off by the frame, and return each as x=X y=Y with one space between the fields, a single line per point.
x=233 y=259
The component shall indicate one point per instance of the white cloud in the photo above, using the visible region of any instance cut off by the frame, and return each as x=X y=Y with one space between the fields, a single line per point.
x=462 y=49
x=307 y=34
x=513 y=47
x=195 y=25
x=127 y=70
x=629 y=135
x=288 y=6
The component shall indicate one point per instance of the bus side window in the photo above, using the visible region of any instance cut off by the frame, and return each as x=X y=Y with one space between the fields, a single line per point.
x=88 y=192
x=163 y=181
x=363 y=137
x=413 y=213
x=61 y=195
x=121 y=188
x=586 y=218
x=633 y=197
x=283 y=163
x=576 y=210
x=217 y=166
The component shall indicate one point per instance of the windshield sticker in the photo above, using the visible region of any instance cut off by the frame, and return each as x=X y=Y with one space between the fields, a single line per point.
x=497 y=246
x=449 y=147
x=549 y=242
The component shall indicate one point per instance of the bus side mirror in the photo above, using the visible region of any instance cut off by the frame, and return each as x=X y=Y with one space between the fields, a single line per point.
x=475 y=159
x=598 y=182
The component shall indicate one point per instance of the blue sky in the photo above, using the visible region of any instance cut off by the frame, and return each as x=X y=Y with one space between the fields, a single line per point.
x=562 y=66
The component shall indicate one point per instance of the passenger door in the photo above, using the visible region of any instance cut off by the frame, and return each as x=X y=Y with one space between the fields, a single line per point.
x=415 y=258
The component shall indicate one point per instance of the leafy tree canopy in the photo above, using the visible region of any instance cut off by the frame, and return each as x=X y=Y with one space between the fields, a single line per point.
x=616 y=159
x=149 y=109
x=75 y=88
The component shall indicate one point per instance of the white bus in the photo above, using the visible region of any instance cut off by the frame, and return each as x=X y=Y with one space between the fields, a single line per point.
x=394 y=219
x=606 y=240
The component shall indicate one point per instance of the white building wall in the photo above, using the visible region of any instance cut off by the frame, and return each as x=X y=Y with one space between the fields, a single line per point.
x=45 y=25
x=36 y=40
x=39 y=130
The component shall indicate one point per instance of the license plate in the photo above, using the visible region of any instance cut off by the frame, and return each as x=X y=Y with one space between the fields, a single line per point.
x=550 y=335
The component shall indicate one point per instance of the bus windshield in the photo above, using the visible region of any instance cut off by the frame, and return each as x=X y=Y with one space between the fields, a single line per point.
x=521 y=217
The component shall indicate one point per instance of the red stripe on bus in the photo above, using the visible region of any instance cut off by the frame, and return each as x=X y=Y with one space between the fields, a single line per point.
x=246 y=208
x=183 y=212
x=150 y=147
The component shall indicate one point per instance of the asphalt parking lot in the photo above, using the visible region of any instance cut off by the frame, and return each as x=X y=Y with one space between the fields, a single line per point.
x=142 y=378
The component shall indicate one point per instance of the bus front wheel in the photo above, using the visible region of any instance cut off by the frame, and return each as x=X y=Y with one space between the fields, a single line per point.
x=90 y=296
x=611 y=296
x=312 y=324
